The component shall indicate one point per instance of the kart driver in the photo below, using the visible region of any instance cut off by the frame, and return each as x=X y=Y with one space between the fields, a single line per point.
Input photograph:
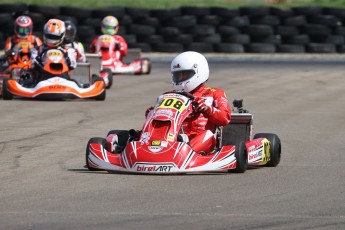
x=53 y=36
x=190 y=71
x=110 y=26
x=69 y=41
x=22 y=37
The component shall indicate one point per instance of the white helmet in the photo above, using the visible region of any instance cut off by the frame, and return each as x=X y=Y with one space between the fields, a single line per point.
x=189 y=70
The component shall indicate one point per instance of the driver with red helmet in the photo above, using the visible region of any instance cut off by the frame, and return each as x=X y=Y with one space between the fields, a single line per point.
x=22 y=37
x=190 y=71
x=110 y=26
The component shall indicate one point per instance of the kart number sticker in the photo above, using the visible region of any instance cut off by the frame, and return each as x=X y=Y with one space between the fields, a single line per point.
x=172 y=103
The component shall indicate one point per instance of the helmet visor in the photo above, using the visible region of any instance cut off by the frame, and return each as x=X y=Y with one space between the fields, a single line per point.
x=23 y=31
x=183 y=75
x=109 y=29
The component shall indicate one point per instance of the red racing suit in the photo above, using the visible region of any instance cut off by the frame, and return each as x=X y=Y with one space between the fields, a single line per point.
x=200 y=127
x=121 y=45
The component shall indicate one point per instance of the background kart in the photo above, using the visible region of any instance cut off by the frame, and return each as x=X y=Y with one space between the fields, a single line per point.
x=111 y=58
x=161 y=149
x=55 y=82
x=20 y=60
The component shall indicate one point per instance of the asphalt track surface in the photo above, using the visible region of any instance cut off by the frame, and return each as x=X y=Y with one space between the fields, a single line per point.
x=44 y=184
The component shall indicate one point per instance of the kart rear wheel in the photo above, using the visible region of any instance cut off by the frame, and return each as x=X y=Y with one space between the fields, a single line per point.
x=241 y=158
x=94 y=140
x=110 y=77
x=6 y=95
x=275 y=147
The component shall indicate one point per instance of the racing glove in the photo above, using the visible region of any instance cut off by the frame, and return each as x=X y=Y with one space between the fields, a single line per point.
x=201 y=107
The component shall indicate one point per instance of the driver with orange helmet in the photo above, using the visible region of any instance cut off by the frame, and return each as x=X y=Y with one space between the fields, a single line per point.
x=110 y=26
x=53 y=36
x=22 y=37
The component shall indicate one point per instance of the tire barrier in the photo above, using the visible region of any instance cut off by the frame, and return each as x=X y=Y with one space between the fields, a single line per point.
x=205 y=29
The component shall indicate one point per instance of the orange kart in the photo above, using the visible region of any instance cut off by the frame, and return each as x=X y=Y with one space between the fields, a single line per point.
x=53 y=80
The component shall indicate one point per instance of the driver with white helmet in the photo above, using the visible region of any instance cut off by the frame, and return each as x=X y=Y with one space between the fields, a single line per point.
x=190 y=71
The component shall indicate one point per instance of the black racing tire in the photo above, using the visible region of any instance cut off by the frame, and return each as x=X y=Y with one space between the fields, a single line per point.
x=307 y=10
x=97 y=140
x=168 y=47
x=212 y=38
x=239 y=21
x=224 y=12
x=142 y=30
x=202 y=30
x=180 y=38
x=295 y=21
x=260 y=48
x=164 y=14
x=321 y=48
x=49 y=11
x=195 y=10
x=287 y=31
x=301 y=39
x=275 y=147
x=254 y=10
x=285 y=48
x=229 y=48
x=201 y=47
x=237 y=38
x=209 y=20
x=241 y=158
x=258 y=30
x=102 y=12
x=327 y=20
x=280 y=12
x=316 y=30
x=228 y=30
x=110 y=77
x=6 y=94
x=77 y=12
x=270 y=20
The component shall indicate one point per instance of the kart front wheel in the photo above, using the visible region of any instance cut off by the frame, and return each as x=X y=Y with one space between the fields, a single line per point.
x=6 y=94
x=94 y=140
x=241 y=158
x=275 y=147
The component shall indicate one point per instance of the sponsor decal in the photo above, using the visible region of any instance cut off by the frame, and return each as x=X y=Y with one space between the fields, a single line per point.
x=156 y=143
x=54 y=53
x=170 y=137
x=154 y=168
x=155 y=149
x=145 y=138
x=164 y=112
x=57 y=87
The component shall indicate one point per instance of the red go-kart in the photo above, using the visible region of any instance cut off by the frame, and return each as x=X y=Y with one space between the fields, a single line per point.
x=111 y=58
x=162 y=148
